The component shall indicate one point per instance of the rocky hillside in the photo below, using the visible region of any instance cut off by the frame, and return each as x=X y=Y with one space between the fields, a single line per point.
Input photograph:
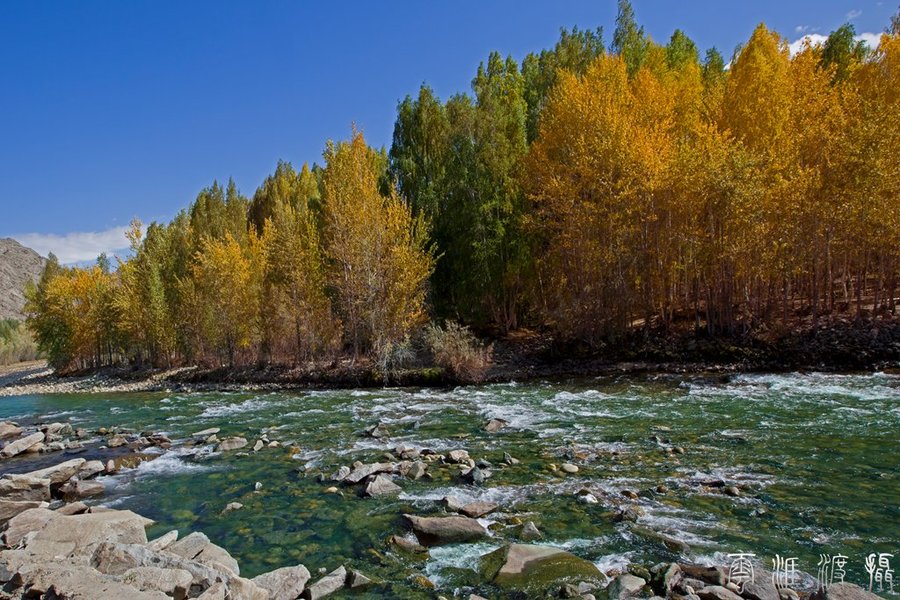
x=18 y=264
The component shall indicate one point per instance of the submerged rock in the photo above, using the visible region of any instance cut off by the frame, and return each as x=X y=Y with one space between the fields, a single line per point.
x=446 y=530
x=522 y=566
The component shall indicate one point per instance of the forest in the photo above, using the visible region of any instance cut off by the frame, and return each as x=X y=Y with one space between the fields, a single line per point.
x=597 y=188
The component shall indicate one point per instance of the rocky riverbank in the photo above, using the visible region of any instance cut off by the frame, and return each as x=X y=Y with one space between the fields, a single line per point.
x=840 y=346
x=58 y=542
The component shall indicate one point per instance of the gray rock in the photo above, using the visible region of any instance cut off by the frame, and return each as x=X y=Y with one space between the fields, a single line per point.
x=382 y=486
x=340 y=474
x=452 y=503
x=172 y=582
x=91 y=469
x=362 y=471
x=59 y=473
x=68 y=535
x=446 y=530
x=476 y=510
x=624 y=586
x=73 y=508
x=55 y=580
x=190 y=546
x=24 y=487
x=406 y=545
x=116 y=441
x=116 y=559
x=163 y=541
x=217 y=558
x=378 y=431
x=258 y=445
x=232 y=506
x=202 y=435
x=216 y=591
x=9 y=430
x=530 y=532
x=495 y=425
x=717 y=592
x=75 y=489
x=848 y=591
x=11 y=508
x=711 y=575
x=21 y=445
x=416 y=470
x=760 y=589
x=232 y=443
x=356 y=580
x=521 y=566
x=569 y=468
x=284 y=584
x=327 y=585
x=458 y=456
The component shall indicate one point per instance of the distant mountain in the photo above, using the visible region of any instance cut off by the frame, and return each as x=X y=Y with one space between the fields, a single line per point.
x=18 y=264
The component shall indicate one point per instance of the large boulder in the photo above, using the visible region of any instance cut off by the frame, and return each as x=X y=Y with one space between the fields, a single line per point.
x=24 y=487
x=761 y=589
x=476 y=510
x=75 y=535
x=117 y=559
x=172 y=582
x=78 y=582
x=75 y=489
x=11 y=508
x=523 y=566
x=446 y=530
x=327 y=585
x=21 y=445
x=284 y=584
x=60 y=473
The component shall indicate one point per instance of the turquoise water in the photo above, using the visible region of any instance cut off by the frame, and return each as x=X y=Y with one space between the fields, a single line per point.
x=816 y=458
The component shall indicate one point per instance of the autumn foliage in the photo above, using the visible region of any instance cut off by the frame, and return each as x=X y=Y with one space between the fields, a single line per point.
x=591 y=193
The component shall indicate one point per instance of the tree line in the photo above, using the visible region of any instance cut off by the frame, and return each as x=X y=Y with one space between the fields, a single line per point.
x=592 y=191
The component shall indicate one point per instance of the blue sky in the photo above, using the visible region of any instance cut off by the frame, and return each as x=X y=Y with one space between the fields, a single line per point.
x=114 y=110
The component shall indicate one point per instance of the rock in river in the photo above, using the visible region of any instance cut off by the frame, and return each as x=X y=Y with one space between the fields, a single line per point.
x=327 y=585
x=476 y=510
x=284 y=584
x=232 y=443
x=446 y=530
x=21 y=445
x=25 y=488
x=9 y=430
x=521 y=566
x=382 y=486
x=363 y=471
x=624 y=586
x=495 y=425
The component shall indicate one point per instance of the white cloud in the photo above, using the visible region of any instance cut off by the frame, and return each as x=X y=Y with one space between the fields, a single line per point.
x=854 y=14
x=870 y=39
x=78 y=246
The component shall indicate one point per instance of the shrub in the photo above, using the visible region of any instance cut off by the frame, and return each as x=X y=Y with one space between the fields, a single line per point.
x=456 y=349
x=16 y=343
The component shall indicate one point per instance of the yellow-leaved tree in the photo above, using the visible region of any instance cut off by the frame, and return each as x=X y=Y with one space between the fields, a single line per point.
x=379 y=252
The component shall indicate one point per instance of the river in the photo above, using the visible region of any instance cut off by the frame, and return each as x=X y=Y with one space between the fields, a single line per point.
x=815 y=458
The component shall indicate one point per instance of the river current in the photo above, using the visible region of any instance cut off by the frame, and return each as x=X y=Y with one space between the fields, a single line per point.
x=814 y=458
